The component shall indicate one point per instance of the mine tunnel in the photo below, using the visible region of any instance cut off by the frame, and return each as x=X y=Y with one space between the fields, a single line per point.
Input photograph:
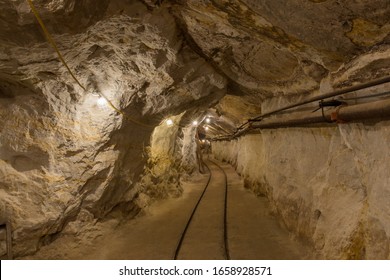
x=194 y=129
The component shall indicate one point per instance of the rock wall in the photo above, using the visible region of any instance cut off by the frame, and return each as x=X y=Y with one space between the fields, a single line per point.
x=171 y=158
x=162 y=173
x=328 y=185
x=272 y=48
x=189 y=150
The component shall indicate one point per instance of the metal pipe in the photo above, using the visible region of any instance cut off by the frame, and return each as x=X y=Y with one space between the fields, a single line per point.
x=379 y=110
x=343 y=114
x=243 y=130
x=326 y=95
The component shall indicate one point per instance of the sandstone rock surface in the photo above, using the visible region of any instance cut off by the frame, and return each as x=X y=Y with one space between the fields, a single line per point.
x=328 y=185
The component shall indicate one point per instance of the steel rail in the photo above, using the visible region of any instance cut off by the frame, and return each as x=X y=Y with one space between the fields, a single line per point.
x=183 y=234
x=225 y=231
x=225 y=228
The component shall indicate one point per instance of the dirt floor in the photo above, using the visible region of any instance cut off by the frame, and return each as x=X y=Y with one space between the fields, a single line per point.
x=252 y=232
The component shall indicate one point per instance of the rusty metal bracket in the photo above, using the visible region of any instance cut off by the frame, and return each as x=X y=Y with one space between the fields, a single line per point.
x=334 y=116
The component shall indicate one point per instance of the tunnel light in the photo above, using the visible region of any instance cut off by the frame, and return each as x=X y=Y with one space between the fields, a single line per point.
x=101 y=102
x=206 y=128
x=195 y=123
x=169 y=122
x=208 y=120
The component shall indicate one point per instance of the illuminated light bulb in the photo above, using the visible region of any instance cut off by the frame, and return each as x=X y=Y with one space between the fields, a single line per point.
x=195 y=123
x=101 y=102
x=206 y=128
x=208 y=120
x=169 y=122
x=203 y=141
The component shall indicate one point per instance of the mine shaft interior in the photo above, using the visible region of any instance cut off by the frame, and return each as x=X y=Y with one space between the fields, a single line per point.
x=194 y=129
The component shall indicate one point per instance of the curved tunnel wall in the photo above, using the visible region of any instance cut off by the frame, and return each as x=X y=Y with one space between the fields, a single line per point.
x=328 y=185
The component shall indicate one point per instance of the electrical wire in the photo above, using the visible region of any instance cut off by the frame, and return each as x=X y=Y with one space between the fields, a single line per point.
x=54 y=45
x=124 y=114
x=326 y=96
x=52 y=42
x=368 y=96
x=239 y=130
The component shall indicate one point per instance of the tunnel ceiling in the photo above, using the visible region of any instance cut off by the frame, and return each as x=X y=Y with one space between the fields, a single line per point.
x=286 y=49
x=264 y=49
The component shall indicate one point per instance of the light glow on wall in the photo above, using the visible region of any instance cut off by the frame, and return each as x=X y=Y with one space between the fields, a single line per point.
x=101 y=102
x=169 y=122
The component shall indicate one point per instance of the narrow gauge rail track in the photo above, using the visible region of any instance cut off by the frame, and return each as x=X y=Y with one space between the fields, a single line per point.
x=184 y=235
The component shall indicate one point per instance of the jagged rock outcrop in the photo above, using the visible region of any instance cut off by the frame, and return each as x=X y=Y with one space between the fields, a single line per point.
x=286 y=48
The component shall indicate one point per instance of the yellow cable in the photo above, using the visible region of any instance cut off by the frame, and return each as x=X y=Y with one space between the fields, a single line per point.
x=51 y=41
x=54 y=45
x=123 y=113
